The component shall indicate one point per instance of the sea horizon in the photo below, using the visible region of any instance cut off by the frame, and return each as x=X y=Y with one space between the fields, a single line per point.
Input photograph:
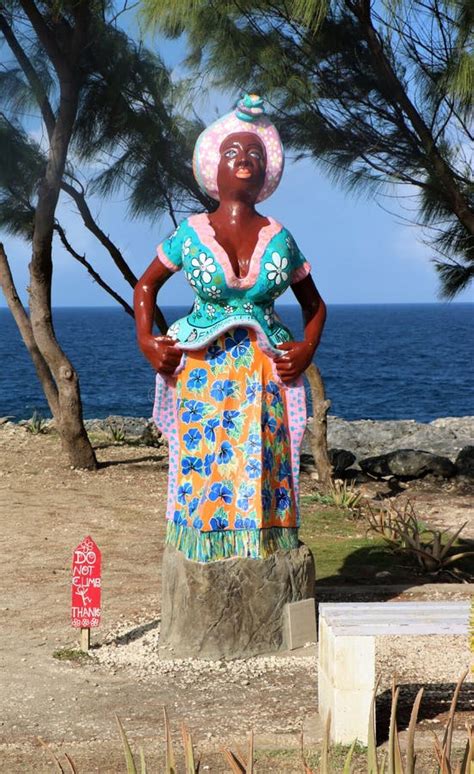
x=292 y=304
x=378 y=361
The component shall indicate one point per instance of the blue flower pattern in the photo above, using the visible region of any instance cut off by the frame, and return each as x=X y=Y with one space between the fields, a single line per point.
x=225 y=388
x=221 y=492
x=225 y=453
x=238 y=343
x=216 y=440
x=215 y=355
x=192 y=439
x=210 y=429
x=197 y=379
x=183 y=491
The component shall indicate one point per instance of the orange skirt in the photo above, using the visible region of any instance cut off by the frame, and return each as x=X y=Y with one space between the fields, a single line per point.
x=235 y=433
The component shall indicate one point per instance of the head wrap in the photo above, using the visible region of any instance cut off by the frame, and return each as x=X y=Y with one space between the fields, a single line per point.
x=248 y=116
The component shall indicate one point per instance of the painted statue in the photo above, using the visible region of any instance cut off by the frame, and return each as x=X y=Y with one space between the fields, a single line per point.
x=229 y=391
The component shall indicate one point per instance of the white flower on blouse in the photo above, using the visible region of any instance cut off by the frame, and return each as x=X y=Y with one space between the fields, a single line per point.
x=228 y=309
x=276 y=269
x=213 y=291
x=190 y=279
x=173 y=330
x=205 y=267
x=211 y=310
x=268 y=315
x=186 y=247
x=248 y=307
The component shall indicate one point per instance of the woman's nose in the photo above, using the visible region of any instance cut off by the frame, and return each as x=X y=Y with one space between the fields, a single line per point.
x=243 y=160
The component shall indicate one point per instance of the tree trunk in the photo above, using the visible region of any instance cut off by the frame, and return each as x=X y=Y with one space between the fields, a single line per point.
x=24 y=326
x=71 y=428
x=318 y=431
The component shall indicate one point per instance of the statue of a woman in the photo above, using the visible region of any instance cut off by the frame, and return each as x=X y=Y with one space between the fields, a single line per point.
x=230 y=396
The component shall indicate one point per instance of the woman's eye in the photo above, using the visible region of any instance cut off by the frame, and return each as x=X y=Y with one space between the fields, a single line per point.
x=230 y=154
x=256 y=154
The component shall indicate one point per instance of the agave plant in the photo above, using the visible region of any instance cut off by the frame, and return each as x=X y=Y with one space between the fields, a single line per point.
x=434 y=550
x=341 y=494
x=36 y=425
x=190 y=765
x=239 y=762
x=117 y=432
x=443 y=750
x=391 y=761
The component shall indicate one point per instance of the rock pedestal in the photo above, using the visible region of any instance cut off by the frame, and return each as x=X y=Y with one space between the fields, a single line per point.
x=232 y=608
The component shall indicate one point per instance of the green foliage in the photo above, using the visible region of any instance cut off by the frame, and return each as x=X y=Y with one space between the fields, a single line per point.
x=129 y=759
x=117 y=432
x=130 y=134
x=330 y=757
x=36 y=425
x=380 y=95
x=341 y=495
x=71 y=654
x=435 y=551
x=20 y=171
x=345 y=552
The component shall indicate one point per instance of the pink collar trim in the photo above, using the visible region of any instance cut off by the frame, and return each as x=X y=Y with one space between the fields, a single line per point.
x=202 y=226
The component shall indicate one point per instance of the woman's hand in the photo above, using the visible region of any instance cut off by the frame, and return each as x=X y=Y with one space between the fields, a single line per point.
x=161 y=352
x=298 y=355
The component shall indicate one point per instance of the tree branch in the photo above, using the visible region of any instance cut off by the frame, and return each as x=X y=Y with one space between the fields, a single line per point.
x=48 y=42
x=31 y=75
x=432 y=159
x=95 y=276
x=117 y=257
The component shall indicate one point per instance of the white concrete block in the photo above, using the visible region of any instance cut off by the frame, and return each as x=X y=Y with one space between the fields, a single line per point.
x=347 y=639
x=354 y=663
x=350 y=717
x=326 y=696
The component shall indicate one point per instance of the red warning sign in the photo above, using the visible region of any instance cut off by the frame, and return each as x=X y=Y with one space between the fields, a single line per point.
x=86 y=585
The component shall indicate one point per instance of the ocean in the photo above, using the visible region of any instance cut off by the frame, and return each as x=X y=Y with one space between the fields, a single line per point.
x=397 y=361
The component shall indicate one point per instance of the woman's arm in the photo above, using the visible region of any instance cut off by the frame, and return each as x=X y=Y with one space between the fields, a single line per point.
x=159 y=350
x=299 y=354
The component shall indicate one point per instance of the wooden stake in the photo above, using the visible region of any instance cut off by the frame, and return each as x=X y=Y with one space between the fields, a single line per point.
x=85 y=639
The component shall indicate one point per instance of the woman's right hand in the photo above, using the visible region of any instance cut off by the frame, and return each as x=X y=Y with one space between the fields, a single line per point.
x=161 y=353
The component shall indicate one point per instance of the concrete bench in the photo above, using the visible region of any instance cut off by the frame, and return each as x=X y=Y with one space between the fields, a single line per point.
x=347 y=640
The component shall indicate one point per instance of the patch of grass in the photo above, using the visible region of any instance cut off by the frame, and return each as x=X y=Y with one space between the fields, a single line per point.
x=289 y=760
x=71 y=654
x=343 y=550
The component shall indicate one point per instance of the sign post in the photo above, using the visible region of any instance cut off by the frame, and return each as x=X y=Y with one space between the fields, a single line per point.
x=86 y=589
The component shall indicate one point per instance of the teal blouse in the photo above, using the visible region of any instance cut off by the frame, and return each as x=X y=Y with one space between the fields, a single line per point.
x=224 y=300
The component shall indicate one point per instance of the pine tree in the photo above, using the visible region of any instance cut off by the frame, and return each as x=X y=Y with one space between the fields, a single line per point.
x=381 y=94
x=97 y=93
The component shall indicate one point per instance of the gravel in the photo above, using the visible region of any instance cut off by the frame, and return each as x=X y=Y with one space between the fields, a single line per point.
x=135 y=647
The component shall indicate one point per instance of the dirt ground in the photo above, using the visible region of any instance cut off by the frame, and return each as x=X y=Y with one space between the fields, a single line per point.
x=46 y=509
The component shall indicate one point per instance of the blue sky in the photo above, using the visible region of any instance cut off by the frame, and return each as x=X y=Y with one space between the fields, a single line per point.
x=359 y=252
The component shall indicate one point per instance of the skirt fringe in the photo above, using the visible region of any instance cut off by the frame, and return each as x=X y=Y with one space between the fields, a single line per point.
x=227 y=544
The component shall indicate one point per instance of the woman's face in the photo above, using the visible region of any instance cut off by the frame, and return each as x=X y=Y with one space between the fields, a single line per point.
x=242 y=165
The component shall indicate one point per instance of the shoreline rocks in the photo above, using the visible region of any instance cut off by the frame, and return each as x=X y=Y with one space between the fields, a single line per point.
x=401 y=448
x=408 y=463
x=404 y=449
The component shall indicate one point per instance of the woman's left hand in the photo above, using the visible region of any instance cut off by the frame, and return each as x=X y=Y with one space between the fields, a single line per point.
x=295 y=360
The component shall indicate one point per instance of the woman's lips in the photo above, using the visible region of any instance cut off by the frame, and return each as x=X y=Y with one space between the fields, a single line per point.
x=243 y=173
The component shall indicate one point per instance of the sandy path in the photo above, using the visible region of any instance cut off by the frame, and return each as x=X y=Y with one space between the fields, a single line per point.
x=45 y=511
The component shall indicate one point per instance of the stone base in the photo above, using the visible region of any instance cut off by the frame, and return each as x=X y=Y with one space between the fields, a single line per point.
x=232 y=608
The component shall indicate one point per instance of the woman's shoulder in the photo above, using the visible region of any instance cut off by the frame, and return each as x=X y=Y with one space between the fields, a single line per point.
x=280 y=235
